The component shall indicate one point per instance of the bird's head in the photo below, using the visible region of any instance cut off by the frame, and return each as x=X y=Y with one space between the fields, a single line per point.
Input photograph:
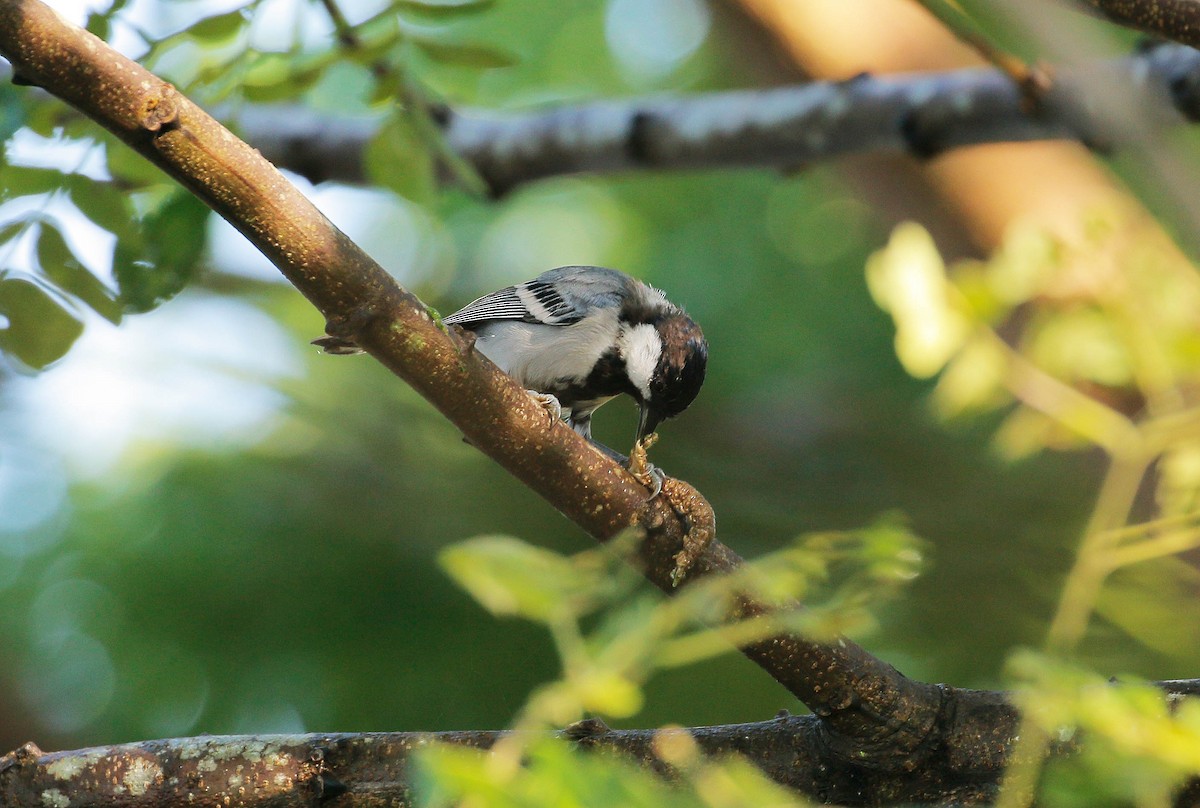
x=678 y=371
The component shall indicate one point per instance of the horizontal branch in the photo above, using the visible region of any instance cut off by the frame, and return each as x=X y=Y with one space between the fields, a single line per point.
x=365 y=770
x=372 y=769
x=923 y=115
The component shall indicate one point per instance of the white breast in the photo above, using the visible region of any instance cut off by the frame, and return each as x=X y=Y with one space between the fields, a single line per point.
x=541 y=357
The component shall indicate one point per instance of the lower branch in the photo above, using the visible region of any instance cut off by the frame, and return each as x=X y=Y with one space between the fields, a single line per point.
x=372 y=769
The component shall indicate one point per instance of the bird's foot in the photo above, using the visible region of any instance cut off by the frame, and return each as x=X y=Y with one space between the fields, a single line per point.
x=699 y=524
x=548 y=403
x=642 y=469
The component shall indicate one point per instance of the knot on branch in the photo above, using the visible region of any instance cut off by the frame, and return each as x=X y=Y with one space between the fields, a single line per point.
x=587 y=730
x=26 y=753
x=160 y=112
x=903 y=738
x=697 y=521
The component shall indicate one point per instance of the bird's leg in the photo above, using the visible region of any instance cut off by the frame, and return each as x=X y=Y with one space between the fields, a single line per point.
x=642 y=469
x=693 y=511
x=548 y=403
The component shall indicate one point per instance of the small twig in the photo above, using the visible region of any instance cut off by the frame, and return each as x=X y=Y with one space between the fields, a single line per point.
x=1034 y=80
x=345 y=31
x=414 y=100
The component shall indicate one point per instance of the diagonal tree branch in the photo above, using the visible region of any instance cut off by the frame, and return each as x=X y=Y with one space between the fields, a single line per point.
x=866 y=706
x=922 y=115
x=1177 y=20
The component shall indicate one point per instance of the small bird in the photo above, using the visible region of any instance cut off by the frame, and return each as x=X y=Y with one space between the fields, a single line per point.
x=580 y=336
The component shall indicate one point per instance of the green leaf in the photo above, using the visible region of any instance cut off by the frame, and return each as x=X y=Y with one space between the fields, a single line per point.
x=12 y=110
x=174 y=246
x=441 y=9
x=12 y=229
x=397 y=158
x=59 y=264
x=39 y=330
x=510 y=577
x=23 y=180
x=278 y=76
x=98 y=24
x=103 y=203
x=218 y=29
x=130 y=168
x=481 y=57
x=908 y=279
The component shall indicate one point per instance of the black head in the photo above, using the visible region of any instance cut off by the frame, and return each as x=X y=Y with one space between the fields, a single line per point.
x=680 y=371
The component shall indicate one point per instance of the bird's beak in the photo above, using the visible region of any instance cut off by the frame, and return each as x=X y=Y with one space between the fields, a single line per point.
x=647 y=421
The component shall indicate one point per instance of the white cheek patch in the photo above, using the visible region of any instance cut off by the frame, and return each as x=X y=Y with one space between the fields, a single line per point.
x=641 y=348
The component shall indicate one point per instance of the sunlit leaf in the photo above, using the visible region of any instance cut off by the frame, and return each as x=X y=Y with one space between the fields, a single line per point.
x=608 y=693
x=511 y=577
x=1133 y=749
x=973 y=380
x=1179 y=478
x=60 y=265
x=39 y=330
x=171 y=256
x=1082 y=343
x=1026 y=432
x=1025 y=264
x=908 y=279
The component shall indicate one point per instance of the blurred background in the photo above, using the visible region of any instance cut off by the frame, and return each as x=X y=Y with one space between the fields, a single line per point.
x=207 y=526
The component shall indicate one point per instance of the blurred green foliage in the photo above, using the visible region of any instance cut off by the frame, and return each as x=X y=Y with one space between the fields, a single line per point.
x=288 y=579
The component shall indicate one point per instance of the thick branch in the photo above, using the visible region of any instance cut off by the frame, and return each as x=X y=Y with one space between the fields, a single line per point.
x=867 y=706
x=371 y=769
x=1177 y=20
x=365 y=770
x=923 y=115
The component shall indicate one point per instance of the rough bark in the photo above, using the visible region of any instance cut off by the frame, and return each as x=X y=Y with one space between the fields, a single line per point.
x=965 y=760
x=1177 y=20
x=372 y=769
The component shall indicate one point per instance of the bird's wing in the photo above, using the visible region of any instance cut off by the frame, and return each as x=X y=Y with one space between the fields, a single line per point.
x=558 y=297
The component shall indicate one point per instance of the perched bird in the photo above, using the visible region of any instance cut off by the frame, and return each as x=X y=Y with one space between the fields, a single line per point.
x=584 y=335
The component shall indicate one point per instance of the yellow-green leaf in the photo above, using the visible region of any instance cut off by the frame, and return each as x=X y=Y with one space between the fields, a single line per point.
x=908 y=279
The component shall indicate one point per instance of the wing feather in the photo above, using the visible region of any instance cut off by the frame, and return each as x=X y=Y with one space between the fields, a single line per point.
x=504 y=304
x=556 y=297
